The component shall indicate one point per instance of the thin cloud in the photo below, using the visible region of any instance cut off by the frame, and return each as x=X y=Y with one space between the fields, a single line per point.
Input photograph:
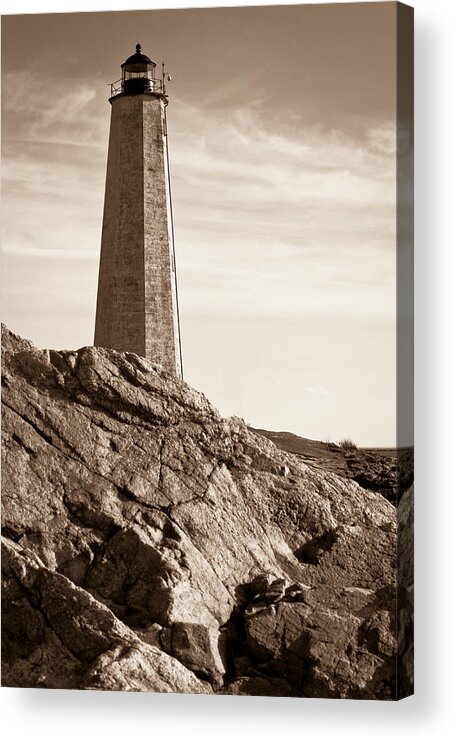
x=73 y=113
x=318 y=390
x=306 y=225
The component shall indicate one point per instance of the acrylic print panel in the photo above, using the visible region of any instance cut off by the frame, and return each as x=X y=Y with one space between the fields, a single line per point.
x=206 y=467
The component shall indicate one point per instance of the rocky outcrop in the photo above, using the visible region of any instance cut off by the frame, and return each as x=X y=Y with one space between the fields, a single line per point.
x=56 y=635
x=389 y=471
x=405 y=595
x=151 y=544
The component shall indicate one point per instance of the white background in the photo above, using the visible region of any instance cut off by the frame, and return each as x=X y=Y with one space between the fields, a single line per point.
x=76 y=715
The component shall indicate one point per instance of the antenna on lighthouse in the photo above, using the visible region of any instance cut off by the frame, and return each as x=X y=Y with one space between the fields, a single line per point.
x=165 y=76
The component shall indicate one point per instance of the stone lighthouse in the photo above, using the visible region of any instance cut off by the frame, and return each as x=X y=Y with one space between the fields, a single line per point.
x=137 y=304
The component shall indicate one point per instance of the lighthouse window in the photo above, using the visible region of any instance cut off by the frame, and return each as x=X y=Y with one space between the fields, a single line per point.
x=141 y=73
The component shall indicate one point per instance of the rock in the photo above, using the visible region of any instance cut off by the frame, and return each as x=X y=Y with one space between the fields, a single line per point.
x=387 y=471
x=154 y=545
x=55 y=635
x=317 y=642
x=258 y=686
x=197 y=647
x=405 y=594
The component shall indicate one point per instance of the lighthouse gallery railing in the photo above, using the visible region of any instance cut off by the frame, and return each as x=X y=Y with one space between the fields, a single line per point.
x=156 y=86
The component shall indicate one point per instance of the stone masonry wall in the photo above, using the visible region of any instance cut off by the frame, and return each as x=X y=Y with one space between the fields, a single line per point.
x=161 y=323
x=136 y=308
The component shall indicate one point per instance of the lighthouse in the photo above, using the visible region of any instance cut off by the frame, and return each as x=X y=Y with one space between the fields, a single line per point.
x=137 y=303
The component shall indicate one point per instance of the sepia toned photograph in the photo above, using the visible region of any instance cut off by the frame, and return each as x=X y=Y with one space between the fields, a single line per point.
x=207 y=351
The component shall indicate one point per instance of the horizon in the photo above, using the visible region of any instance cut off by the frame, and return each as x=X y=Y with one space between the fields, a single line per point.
x=284 y=192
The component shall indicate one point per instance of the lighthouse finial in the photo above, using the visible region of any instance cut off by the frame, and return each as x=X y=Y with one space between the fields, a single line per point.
x=138 y=48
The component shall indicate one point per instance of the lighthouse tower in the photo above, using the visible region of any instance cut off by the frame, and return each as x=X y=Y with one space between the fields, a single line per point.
x=137 y=306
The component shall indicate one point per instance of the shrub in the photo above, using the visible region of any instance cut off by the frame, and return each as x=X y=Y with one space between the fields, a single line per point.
x=347 y=445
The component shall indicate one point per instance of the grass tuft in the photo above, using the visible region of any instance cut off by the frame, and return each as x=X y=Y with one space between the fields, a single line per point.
x=347 y=445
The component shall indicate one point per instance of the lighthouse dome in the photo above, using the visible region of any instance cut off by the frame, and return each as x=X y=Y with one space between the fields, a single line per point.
x=138 y=59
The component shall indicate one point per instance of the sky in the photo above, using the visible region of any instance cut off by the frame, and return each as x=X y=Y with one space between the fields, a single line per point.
x=282 y=141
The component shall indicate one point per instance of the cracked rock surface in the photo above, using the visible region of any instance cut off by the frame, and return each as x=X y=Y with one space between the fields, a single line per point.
x=150 y=544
